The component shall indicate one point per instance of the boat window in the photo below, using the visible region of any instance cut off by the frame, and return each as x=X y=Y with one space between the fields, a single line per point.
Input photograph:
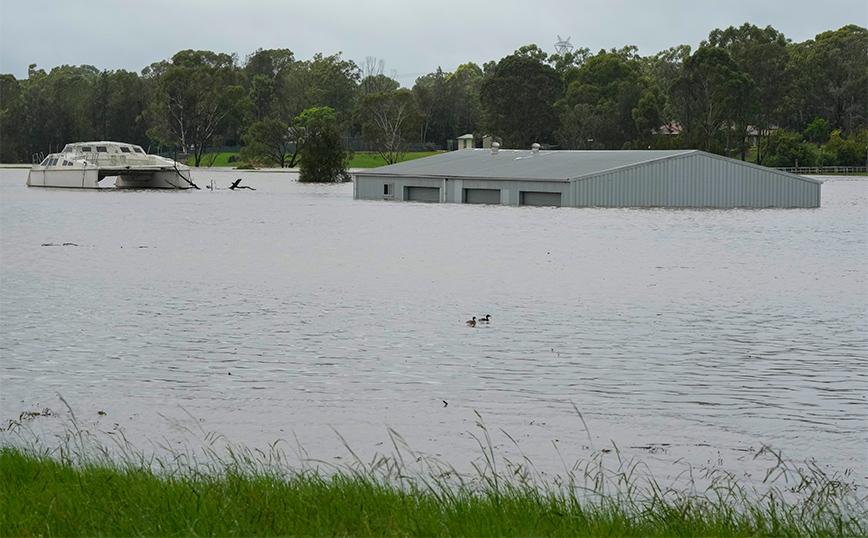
x=45 y=162
x=67 y=163
x=139 y=150
x=68 y=148
x=52 y=162
x=125 y=149
x=101 y=149
x=86 y=149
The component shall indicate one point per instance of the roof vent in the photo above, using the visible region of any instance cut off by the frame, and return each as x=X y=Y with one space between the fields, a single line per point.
x=535 y=147
x=494 y=148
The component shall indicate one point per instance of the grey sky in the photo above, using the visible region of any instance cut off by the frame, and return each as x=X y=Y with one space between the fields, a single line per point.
x=413 y=38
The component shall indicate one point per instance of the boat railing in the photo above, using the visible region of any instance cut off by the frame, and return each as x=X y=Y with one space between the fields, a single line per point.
x=37 y=158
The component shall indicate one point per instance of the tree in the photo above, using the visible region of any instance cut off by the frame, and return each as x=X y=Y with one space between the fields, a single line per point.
x=11 y=115
x=272 y=140
x=518 y=99
x=463 y=87
x=830 y=74
x=601 y=98
x=195 y=95
x=266 y=74
x=709 y=99
x=332 y=82
x=762 y=54
x=818 y=131
x=849 y=151
x=323 y=154
x=389 y=122
x=785 y=148
x=373 y=79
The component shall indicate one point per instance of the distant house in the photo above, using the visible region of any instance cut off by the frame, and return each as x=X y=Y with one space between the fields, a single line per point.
x=645 y=178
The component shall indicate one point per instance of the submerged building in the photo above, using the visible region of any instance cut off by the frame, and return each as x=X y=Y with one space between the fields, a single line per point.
x=652 y=178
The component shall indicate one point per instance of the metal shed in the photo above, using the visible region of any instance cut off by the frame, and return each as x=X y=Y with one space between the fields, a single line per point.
x=652 y=178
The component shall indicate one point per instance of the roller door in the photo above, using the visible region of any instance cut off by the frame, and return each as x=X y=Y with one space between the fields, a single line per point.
x=540 y=198
x=482 y=196
x=423 y=194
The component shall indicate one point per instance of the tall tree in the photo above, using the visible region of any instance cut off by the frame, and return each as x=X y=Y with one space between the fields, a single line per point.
x=389 y=122
x=600 y=100
x=197 y=93
x=518 y=99
x=830 y=76
x=12 y=138
x=762 y=54
x=709 y=99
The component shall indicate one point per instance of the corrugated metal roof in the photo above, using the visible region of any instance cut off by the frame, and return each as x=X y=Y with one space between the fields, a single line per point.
x=554 y=165
x=520 y=164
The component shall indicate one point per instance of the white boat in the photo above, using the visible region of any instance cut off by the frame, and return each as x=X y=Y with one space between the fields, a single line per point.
x=85 y=164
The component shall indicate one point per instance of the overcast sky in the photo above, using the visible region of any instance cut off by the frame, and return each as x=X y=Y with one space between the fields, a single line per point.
x=413 y=38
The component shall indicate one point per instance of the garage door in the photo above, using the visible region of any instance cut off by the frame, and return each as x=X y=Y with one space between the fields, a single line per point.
x=481 y=196
x=541 y=198
x=423 y=194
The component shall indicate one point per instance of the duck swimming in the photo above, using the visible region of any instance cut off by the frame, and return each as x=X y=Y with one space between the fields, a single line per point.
x=484 y=319
x=472 y=322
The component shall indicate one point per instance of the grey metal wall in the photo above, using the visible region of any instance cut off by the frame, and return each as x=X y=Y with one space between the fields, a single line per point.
x=370 y=187
x=698 y=180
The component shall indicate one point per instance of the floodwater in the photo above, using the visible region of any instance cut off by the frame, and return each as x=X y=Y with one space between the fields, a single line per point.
x=293 y=312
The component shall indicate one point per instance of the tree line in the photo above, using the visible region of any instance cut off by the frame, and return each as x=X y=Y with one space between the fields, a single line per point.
x=746 y=92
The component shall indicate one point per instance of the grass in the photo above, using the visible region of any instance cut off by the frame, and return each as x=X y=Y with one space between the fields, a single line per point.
x=86 y=489
x=359 y=160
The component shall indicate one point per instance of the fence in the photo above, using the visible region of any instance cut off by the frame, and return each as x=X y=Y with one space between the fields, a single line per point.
x=825 y=170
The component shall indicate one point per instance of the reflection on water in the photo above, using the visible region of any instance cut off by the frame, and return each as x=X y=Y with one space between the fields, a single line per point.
x=293 y=310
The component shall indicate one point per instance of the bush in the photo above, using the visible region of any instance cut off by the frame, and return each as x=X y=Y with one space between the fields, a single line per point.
x=850 y=151
x=784 y=149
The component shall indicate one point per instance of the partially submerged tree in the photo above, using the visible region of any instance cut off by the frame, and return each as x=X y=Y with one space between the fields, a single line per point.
x=323 y=153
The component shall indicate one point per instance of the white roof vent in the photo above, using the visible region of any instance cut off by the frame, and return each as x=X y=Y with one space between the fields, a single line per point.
x=494 y=147
x=535 y=148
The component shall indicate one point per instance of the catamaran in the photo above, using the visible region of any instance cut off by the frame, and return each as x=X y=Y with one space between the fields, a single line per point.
x=86 y=164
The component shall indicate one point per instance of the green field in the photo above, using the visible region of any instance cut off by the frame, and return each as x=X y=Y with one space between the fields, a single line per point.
x=85 y=490
x=359 y=160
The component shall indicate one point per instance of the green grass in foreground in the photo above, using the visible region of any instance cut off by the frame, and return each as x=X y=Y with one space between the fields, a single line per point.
x=359 y=160
x=63 y=493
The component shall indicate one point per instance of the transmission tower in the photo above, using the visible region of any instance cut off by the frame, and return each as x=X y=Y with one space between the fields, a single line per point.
x=563 y=46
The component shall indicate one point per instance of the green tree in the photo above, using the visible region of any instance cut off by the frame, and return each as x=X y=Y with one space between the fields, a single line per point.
x=710 y=99
x=196 y=97
x=761 y=54
x=389 y=122
x=463 y=88
x=271 y=140
x=518 y=99
x=818 y=131
x=323 y=155
x=849 y=151
x=12 y=138
x=600 y=100
x=648 y=115
x=785 y=149
x=830 y=74
x=332 y=82
x=266 y=72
